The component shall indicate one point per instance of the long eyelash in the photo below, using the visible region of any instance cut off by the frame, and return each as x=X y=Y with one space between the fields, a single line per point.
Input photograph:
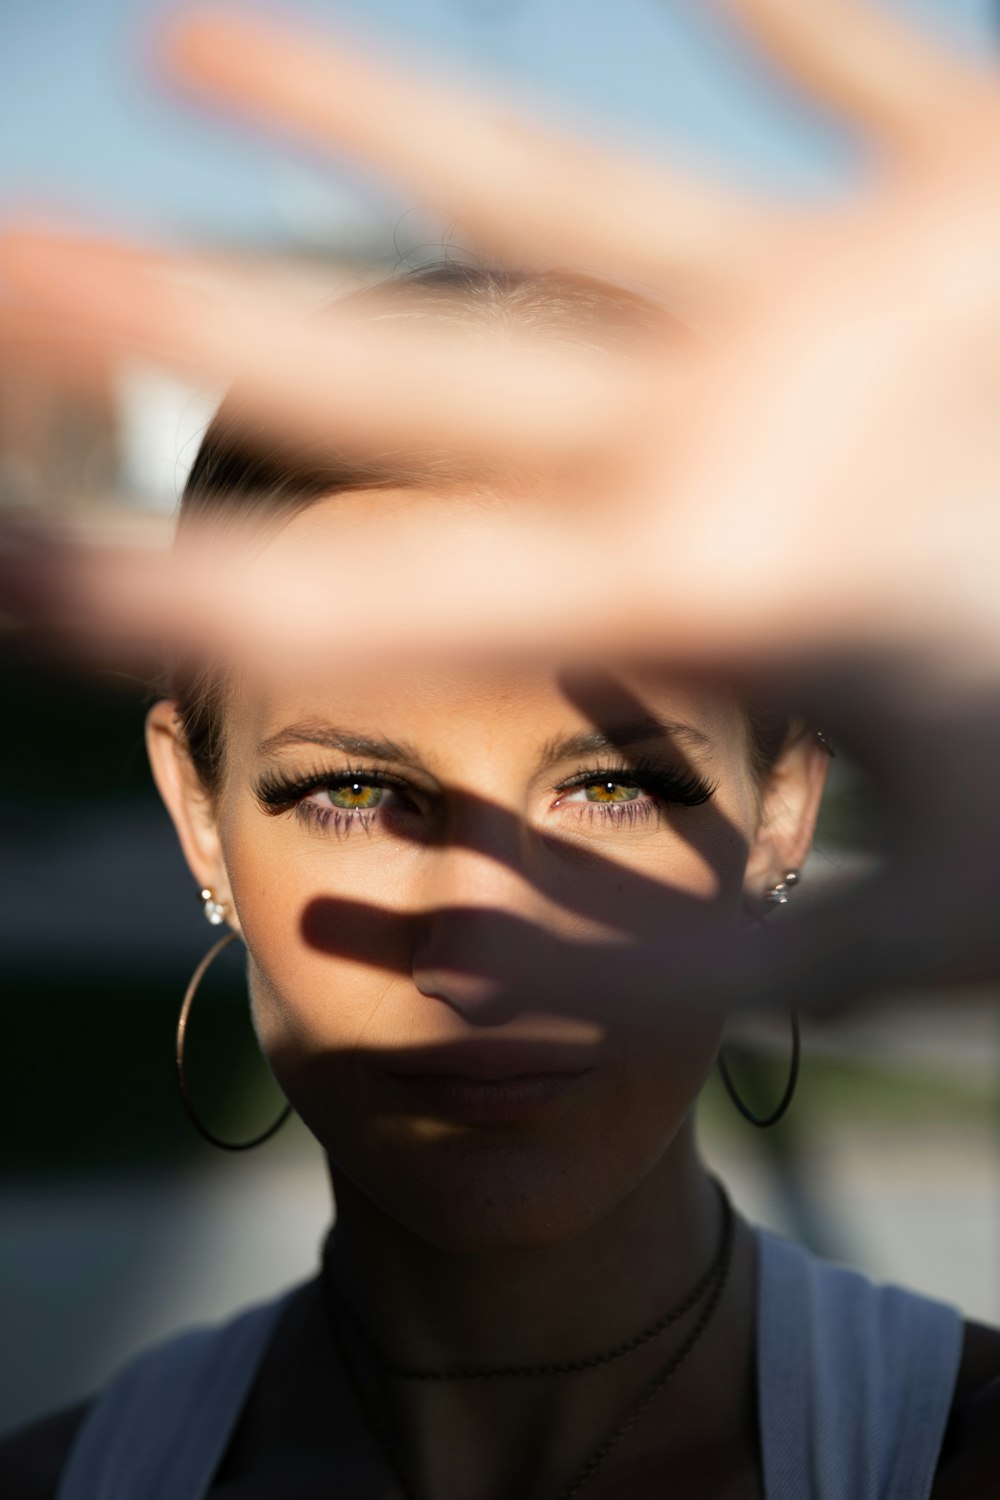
x=278 y=791
x=621 y=814
x=671 y=787
x=336 y=820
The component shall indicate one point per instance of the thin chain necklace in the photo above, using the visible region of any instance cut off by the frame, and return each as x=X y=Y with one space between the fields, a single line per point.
x=556 y=1367
x=711 y=1287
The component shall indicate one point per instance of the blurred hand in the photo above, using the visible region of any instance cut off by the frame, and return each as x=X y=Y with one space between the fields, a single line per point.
x=818 y=467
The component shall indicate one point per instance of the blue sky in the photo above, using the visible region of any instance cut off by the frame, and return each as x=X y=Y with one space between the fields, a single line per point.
x=85 y=122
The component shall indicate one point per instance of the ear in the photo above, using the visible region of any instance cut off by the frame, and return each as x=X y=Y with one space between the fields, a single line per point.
x=790 y=800
x=188 y=802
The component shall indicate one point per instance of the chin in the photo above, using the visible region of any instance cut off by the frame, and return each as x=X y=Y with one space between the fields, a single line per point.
x=485 y=1193
x=532 y=1184
x=488 y=1214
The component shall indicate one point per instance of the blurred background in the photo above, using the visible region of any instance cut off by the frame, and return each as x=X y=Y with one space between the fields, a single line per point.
x=116 y=1222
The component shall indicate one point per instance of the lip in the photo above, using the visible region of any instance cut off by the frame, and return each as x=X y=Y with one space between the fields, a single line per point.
x=483 y=1101
x=493 y=1062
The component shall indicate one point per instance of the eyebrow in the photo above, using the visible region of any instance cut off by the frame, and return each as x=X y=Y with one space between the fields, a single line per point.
x=572 y=747
x=315 y=732
x=619 y=736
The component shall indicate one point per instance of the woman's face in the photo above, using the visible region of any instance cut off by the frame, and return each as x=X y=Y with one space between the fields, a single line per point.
x=407 y=852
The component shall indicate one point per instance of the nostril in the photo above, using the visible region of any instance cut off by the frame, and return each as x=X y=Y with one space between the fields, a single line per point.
x=477 y=959
x=457 y=987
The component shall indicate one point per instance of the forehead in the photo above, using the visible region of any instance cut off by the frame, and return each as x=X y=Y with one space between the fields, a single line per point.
x=448 y=706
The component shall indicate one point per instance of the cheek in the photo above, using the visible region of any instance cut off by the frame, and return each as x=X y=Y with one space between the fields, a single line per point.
x=687 y=877
x=323 y=948
x=722 y=841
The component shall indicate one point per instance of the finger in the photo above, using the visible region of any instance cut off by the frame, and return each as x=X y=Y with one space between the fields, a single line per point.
x=41 y=348
x=108 y=604
x=522 y=191
x=334 y=381
x=39 y=357
x=462 y=578
x=909 y=90
x=466 y=578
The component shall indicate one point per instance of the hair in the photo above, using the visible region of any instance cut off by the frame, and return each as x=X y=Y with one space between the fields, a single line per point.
x=240 y=473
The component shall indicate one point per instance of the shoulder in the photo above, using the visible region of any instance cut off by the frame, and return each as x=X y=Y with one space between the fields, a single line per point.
x=32 y=1458
x=918 y=1387
x=175 y=1402
x=970 y=1453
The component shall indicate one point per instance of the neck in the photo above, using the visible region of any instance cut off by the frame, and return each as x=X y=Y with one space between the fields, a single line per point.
x=431 y=1307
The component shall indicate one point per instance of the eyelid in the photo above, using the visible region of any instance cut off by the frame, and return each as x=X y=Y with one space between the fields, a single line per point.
x=365 y=778
x=635 y=774
x=627 y=775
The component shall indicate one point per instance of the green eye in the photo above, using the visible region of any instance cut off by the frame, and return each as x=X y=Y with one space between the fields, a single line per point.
x=610 y=791
x=356 y=796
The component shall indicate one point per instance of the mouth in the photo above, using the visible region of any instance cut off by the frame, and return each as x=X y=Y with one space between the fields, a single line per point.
x=481 y=1085
x=483 y=1101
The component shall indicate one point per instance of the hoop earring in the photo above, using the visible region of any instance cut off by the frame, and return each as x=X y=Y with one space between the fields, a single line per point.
x=763 y=1122
x=182 y=1022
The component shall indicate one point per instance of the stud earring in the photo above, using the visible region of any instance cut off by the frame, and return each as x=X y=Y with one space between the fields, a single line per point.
x=214 y=911
x=778 y=894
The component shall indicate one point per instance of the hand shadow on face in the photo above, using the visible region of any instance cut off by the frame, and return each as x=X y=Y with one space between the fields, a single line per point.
x=924 y=916
x=618 y=934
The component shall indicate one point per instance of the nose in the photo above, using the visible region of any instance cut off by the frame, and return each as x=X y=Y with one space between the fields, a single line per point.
x=483 y=932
